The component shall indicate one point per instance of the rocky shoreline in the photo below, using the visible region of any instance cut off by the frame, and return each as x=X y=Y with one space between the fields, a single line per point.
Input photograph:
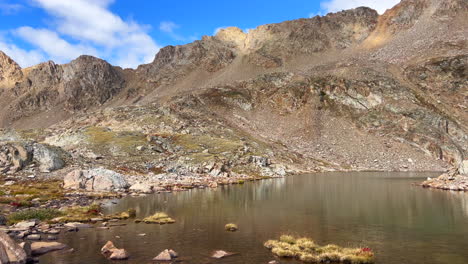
x=454 y=180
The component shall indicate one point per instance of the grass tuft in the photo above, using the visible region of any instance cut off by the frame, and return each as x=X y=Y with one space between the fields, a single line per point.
x=28 y=214
x=307 y=251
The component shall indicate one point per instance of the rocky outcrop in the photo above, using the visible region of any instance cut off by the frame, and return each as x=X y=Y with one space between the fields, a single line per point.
x=452 y=180
x=14 y=156
x=49 y=158
x=98 y=179
x=88 y=81
x=9 y=70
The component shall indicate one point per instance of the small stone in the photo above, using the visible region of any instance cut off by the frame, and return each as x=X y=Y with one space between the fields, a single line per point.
x=163 y=256
x=221 y=254
x=119 y=254
x=34 y=237
x=77 y=225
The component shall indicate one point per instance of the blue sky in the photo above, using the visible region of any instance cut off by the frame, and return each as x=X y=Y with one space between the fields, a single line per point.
x=130 y=32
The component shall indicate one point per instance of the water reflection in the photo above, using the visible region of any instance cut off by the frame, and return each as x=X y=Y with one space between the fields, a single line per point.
x=403 y=223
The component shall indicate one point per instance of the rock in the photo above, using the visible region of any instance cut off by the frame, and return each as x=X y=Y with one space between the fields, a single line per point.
x=221 y=254
x=463 y=168
x=141 y=188
x=48 y=158
x=34 y=237
x=14 y=156
x=140 y=148
x=273 y=262
x=50 y=237
x=26 y=224
x=39 y=248
x=15 y=253
x=108 y=247
x=119 y=254
x=77 y=225
x=26 y=246
x=4 y=259
x=165 y=255
x=114 y=253
x=173 y=253
x=260 y=161
x=98 y=179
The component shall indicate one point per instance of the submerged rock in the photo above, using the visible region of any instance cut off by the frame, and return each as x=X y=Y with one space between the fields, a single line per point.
x=218 y=254
x=39 y=248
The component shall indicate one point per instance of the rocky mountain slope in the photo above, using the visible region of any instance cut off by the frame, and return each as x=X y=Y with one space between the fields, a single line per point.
x=348 y=91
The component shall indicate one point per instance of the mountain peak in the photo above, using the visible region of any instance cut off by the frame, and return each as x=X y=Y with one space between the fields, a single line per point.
x=8 y=67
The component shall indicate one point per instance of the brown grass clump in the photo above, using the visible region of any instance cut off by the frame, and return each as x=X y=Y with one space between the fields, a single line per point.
x=158 y=218
x=307 y=251
x=231 y=227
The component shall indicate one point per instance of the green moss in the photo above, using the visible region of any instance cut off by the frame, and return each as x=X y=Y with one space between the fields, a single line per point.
x=40 y=214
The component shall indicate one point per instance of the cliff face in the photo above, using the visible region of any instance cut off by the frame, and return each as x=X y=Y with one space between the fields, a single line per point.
x=395 y=85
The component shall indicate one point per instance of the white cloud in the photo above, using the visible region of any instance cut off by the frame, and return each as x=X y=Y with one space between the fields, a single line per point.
x=338 y=5
x=8 y=8
x=88 y=27
x=23 y=57
x=50 y=42
x=169 y=28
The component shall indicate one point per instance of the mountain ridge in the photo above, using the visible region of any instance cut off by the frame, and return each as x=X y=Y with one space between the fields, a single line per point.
x=385 y=77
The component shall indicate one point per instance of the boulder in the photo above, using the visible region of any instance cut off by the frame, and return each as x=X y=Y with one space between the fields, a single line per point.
x=49 y=158
x=14 y=156
x=98 y=179
x=39 y=248
x=141 y=188
x=112 y=252
x=15 y=253
x=108 y=247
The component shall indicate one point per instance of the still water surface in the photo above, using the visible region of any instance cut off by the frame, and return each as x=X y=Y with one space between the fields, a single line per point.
x=400 y=222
